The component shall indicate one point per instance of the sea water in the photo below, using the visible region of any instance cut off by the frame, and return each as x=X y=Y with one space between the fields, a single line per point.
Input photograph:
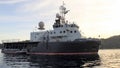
x=107 y=58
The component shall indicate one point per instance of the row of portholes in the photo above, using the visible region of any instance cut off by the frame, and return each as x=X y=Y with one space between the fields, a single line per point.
x=63 y=32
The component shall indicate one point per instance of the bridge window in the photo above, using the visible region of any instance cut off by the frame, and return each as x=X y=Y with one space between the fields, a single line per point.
x=37 y=33
x=44 y=38
x=71 y=25
x=60 y=31
x=35 y=37
x=50 y=32
x=61 y=25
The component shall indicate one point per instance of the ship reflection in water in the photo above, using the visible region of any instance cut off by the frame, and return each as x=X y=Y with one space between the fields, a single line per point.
x=25 y=61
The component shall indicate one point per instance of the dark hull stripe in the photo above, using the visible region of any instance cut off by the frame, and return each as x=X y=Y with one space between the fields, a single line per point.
x=80 y=53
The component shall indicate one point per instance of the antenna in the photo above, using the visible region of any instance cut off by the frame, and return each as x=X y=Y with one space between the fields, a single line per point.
x=63 y=3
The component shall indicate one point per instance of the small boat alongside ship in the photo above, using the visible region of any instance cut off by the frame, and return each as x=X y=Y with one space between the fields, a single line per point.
x=64 y=39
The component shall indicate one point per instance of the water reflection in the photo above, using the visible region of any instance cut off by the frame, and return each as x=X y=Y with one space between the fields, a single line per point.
x=16 y=61
x=66 y=61
x=26 y=61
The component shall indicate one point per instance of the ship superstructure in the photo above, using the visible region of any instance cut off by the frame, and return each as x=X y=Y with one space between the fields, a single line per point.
x=62 y=30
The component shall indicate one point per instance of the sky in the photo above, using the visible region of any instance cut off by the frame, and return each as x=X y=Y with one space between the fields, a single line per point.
x=94 y=17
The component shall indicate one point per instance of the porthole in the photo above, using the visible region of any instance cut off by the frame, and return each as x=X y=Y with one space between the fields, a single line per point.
x=75 y=31
x=63 y=31
x=70 y=31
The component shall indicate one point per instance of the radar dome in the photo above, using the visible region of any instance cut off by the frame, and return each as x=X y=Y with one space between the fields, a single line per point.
x=57 y=15
x=41 y=25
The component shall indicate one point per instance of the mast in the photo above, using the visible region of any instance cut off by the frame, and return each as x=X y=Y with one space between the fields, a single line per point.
x=60 y=17
x=63 y=11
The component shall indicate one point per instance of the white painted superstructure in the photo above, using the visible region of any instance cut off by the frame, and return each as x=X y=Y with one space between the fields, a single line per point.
x=62 y=30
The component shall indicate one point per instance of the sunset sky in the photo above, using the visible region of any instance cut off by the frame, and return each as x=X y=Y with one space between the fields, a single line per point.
x=95 y=17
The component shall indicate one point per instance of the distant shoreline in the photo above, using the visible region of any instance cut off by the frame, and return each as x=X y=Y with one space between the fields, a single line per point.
x=108 y=48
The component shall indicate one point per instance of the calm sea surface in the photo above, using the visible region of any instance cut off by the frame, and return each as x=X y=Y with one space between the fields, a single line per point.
x=109 y=58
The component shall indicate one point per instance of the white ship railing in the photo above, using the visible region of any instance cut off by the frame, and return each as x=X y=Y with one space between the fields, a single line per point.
x=10 y=40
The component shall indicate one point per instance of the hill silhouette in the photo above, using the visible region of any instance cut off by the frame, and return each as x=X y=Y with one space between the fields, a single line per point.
x=111 y=43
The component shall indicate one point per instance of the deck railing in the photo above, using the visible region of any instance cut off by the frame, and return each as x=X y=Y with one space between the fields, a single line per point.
x=10 y=40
